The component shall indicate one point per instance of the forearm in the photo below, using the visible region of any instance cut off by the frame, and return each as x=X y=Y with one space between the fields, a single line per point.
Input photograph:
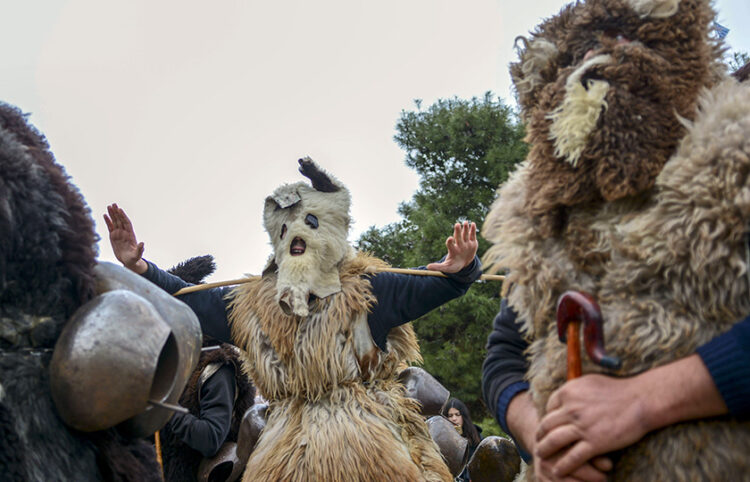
x=523 y=420
x=403 y=298
x=679 y=391
x=504 y=367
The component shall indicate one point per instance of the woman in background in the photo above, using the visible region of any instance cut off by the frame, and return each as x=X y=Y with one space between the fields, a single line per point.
x=458 y=414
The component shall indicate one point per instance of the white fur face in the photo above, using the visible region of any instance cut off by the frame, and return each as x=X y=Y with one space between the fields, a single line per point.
x=575 y=119
x=309 y=238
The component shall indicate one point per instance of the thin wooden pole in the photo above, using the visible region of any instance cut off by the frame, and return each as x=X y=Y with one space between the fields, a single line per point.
x=417 y=272
x=157 y=447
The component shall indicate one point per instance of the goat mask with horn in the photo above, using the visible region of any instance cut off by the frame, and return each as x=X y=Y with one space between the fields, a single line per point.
x=308 y=227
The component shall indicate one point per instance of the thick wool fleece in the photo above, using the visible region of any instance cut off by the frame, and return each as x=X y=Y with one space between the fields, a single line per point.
x=47 y=259
x=659 y=60
x=669 y=269
x=336 y=410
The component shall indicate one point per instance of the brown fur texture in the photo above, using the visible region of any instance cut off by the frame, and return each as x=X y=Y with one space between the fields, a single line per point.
x=668 y=264
x=336 y=410
x=654 y=80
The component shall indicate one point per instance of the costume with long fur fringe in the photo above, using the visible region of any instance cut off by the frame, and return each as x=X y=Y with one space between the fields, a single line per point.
x=47 y=259
x=669 y=265
x=336 y=411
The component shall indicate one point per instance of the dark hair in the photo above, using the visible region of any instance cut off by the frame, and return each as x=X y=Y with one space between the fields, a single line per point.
x=467 y=429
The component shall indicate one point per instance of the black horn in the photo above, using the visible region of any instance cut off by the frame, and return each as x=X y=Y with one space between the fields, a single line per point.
x=320 y=180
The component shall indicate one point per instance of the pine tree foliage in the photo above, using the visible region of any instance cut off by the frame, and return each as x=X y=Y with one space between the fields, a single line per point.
x=462 y=150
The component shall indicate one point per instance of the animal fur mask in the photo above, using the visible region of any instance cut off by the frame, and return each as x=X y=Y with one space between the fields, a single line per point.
x=308 y=227
x=604 y=87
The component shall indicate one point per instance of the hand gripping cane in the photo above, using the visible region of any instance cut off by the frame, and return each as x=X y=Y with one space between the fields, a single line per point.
x=574 y=308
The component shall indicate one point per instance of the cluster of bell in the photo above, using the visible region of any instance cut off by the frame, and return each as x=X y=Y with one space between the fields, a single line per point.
x=124 y=357
x=495 y=458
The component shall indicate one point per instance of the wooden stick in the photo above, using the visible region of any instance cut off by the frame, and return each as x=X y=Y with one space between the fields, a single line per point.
x=574 y=350
x=417 y=272
x=157 y=448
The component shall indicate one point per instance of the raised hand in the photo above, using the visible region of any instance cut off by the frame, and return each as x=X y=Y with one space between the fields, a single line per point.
x=462 y=247
x=125 y=246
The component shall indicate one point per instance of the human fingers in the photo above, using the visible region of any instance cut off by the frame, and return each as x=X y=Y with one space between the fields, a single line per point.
x=556 y=440
x=573 y=458
x=140 y=249
x=555 y=400
x=588 y=473
x=450 y=243
x=108 y=221
x=473 y=233
x=465 y=232
x=550 y=421
x=602 y=463
x=112 y=212
x=457 y=231
x=125 y=220
x=117 y=216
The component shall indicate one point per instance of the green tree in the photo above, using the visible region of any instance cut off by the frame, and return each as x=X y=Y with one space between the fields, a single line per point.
x=737 y=59
x=462 y=150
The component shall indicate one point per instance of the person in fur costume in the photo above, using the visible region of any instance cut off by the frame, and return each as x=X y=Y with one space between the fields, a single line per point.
x=217 y=395
x=635 y=190
x=324 y=338
x=47 y=260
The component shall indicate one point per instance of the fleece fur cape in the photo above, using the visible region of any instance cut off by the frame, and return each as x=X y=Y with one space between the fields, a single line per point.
x=336 y=411
x=648 y=211
x=669 y=269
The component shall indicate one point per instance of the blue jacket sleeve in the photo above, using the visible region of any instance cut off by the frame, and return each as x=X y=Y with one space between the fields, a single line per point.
x=727 y=358
x=403 y=298
x=210 y=306
x=206 y=432
x=505 y=366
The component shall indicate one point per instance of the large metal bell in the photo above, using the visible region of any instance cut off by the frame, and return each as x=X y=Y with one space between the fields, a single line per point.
x=423 y=387
x=113 y=356
x=253 y=423
x=225 y=466
x=453 y=447
x=185 y=329
x=495 y=460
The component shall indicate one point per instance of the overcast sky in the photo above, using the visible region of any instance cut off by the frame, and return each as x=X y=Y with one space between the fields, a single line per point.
x=188 y=113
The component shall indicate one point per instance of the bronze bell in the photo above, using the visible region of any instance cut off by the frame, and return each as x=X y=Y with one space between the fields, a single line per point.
x=423 y=387
x=453 y=447
x=253 y=423
x=495 y=460
x=185 y=329
x=113 y=356
x=225 y=466
x=124 y=358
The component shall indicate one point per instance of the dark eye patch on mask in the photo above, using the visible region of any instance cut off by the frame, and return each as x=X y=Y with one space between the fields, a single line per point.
x=311 y=221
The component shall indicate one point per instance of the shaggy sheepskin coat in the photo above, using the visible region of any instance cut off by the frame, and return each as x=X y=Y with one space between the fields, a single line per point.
x=663 y=250
x=336 y=410
x=47 y=260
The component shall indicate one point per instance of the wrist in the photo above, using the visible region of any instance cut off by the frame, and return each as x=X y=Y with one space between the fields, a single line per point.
x=523 y=420
x=139 y=267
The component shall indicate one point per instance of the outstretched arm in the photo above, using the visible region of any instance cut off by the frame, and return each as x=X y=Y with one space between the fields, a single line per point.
x=403 y=298
x=125 y=245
